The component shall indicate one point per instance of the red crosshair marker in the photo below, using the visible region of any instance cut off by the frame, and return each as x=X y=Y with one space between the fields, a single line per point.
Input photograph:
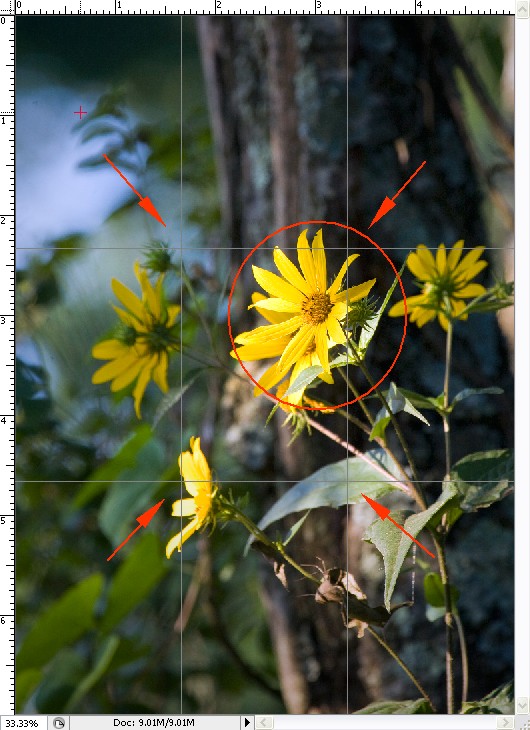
x=144 y=203
x=81 y=112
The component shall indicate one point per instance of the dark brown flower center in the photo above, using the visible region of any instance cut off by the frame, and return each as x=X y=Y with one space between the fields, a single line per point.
x=316 y=308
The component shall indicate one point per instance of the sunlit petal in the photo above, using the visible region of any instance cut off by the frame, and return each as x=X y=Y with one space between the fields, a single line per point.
x=276 y=286
x=305 y=260
x=337 y=283
x=319 y=260
x=289 y=272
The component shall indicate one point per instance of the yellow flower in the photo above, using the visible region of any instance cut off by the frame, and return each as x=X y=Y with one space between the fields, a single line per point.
x=445 y=282
x=311 y=311
x=139 y=351
x=198 y=479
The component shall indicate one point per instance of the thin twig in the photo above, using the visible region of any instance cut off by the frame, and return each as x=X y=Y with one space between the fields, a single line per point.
x=349 y=447
x=463 y=655
x=403 y=666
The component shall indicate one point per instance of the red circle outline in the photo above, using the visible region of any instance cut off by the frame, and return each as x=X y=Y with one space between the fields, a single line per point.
x=363 y=235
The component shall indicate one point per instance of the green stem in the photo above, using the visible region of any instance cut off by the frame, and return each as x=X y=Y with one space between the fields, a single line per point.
x=449 y=625
x=403 y=666
x=407 y=488
x=447 y=427
x=415 y=486
x=463 y=654
x=251 y=526
x=356 y=393
x=380 y=442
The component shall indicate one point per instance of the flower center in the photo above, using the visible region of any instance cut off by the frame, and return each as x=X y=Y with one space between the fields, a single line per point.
x=315 y=309
x=159 y=338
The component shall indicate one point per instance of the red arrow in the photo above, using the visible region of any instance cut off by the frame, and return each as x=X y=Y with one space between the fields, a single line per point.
x=144 y=203
x=384 y=512
x=144 y=519
x=388 y=204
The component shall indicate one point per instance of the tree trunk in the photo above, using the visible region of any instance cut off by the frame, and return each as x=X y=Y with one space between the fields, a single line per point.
x=321 y=118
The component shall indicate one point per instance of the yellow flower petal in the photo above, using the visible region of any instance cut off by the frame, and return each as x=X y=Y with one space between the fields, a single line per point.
x=335 y=331
x=305 y=260
x=471 y=291
x=126 y=378
x=262 y=351
x=152 y=298
x=276 y=286
x=277 y=305
x=321 y=342
x=109 y=350
x=453 y=257
x=354 y=293
x=426 y=260
x=272 y=317
x=270 y=377
x=114 y=368
x=160 y=372
x=297 y=347
x=269 y=331
x=173 y=312
x=467 y=262
x=129 y=300
x=337 y=283
x=289 y=272
x=183 y=507
x=441 y=258
x=319 y=261
x=177 y=541
x=141 y=384
x=471 y=271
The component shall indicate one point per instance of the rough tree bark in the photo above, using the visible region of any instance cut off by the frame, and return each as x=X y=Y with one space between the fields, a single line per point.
x=320 y=118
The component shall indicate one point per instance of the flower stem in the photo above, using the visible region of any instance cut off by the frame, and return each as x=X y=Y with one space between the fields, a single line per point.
x=449 y=625
x=349 y=447
x=251 y=526
x=463 y=654
x=403 y=666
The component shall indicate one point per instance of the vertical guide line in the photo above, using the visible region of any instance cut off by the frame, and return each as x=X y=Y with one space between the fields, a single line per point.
x=181 y=365
x=347 y=368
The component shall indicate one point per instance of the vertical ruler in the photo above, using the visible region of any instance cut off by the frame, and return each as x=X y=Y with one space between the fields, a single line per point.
x=7 y=357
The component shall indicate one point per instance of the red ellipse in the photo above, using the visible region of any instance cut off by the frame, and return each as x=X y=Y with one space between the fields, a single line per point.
x=326 y=223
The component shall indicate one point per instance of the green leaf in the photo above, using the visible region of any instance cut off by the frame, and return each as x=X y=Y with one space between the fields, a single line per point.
x=60 y=680
x=304 y=379
x=173 y=396
x=60 y=624
x=435 y=596
x=294 y=529
x=335 y=485
x=468 y=392
x=498 y=702
x=394 y=545
x=483 y=478
x=368 y=331
x=423 y=401
x=397 y=402
x=102 y=661
x=135 y=578
x=394 y=707
x=27 y=681
x=133 y=494
x=124 y=459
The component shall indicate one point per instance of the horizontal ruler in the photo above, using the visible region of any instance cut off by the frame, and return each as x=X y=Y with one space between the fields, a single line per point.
x=272 y=7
